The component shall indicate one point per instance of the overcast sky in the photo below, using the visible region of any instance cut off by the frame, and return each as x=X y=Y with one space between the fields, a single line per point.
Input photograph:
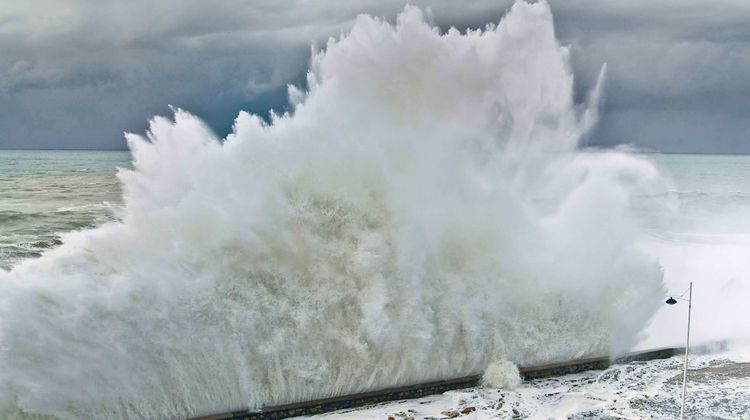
x=77 y=73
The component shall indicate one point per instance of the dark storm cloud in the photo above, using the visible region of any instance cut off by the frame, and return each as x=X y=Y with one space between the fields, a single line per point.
x=75 y=74
x=678 y=71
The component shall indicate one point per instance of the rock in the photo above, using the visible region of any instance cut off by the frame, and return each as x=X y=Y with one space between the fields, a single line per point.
x=451 y=414
x=468 y=410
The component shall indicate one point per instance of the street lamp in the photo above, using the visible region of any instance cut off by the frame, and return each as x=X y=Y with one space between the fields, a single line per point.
x=672 y=301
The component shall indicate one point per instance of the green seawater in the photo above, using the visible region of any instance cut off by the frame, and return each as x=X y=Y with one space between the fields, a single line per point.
x=46 y=193
x=710 y=193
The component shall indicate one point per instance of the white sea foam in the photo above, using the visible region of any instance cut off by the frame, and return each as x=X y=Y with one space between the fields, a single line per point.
x=718 y=387
x=501 y=374
x=422 y=212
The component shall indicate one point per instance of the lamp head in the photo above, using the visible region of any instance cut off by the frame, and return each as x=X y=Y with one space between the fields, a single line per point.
x=671 y=301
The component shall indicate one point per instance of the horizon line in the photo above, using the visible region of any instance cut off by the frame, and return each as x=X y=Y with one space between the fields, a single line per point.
x=644 y=152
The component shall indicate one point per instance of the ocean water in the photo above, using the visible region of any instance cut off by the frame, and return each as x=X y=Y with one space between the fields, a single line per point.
x=50 y=192
x=422 y=212
x=710 y=194
x=46 y=193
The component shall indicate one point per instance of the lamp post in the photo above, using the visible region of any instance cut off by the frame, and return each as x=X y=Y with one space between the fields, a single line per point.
x=672 y=301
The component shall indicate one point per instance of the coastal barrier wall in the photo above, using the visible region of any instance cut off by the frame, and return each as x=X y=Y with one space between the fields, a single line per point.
x=324 y=405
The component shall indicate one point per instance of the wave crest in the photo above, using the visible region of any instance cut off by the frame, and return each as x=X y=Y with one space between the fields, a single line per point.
x=422 y=212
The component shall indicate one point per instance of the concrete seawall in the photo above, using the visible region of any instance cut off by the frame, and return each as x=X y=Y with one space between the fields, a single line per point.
x=437 y=387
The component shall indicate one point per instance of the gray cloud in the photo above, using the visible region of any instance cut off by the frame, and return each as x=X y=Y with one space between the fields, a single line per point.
x=76 y=73
x=679 y=71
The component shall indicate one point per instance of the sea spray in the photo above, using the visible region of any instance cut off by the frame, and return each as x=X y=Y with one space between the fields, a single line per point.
x=422 y=211
x=501 y=374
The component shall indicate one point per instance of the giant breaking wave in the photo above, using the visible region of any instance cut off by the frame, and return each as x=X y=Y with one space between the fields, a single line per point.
x=421 y=212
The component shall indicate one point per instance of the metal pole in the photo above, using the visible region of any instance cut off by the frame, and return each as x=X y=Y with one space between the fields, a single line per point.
x=687 y=352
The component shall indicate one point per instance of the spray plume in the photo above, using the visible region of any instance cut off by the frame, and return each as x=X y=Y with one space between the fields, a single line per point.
x=421 y=212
